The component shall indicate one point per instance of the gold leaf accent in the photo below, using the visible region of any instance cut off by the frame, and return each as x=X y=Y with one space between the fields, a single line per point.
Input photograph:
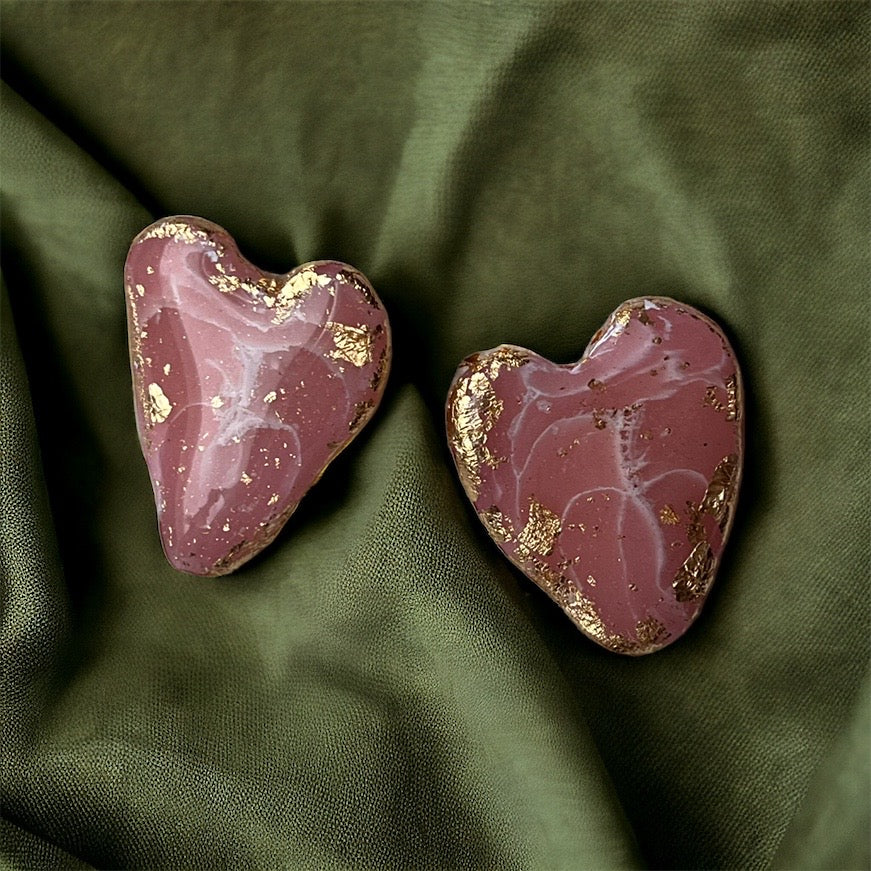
x=498 y=525
x=668 y=516
x=540 y=532
x=177 y=230
x=717 y=501
x=353 y=344
x=504 y=357
x=712 y=399
x=474 y=409
x=693 y=578
x=295 y=289
x=732 y=410
x=159 y=406
x=361 y=409
x=650 y=631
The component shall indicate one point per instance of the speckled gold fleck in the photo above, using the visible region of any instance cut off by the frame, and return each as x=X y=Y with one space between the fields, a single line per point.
x=353 y=344
x=140 y=289
x=595 y=384
x=159 y=406
x=474 y=409
x=540 y=532
x=644 y=317
x=246 y=479
x=668 y=516
x=270 y=397
x=622 y=316
x=149 y=270
x=599 y=422
x=166 y=368
x=216 y=402
x=591 y=580
x=498 y=525
x=694 y=577
x=273 y=499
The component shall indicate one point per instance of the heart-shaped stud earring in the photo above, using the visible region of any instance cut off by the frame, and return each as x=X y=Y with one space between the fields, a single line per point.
x=246 y=384
x=612 y=482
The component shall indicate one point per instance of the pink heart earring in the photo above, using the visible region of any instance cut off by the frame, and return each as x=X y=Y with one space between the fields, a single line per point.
x=611 y=483
x=246 y=384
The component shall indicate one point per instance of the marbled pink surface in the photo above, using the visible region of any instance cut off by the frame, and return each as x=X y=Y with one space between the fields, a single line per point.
x=612 y=482
x=246 y=384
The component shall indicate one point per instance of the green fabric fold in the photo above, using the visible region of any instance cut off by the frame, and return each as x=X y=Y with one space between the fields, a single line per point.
x=379 y=689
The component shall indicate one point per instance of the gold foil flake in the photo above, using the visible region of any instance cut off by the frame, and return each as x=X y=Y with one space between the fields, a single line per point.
x=651 y=631
x=246 y=479
x=622 y=316
x=717 y=500
x=273 y=499
x=595 y=384
x=294 y=290
x=378 y=374
x=696 y=532
x=359 y=283
x=668 y=516
x=693 y=578
x=712 y=400
x=505 y=357
x=583 y=613
x=166 y=368
x=540 y=532
x=216 y=402
x=644 y=317
x=498 y=525
x=159 y=406
x=361 y=410
x=178 y=231
x=149 y=270
x=226 y=527
x=140 y=289
x=732 y=398
x=657 y=340
x=227 y=282
x=353 y=344
x=599 y=422
x=270 y=397
x=473 y=411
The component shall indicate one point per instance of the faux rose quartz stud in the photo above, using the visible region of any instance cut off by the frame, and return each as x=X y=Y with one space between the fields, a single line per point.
x=611 y=483
x=246 y=385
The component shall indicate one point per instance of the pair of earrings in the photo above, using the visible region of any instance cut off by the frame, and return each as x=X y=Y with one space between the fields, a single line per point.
x=611 y=483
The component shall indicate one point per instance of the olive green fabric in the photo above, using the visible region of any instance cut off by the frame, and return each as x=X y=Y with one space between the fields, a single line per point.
x=380 y=689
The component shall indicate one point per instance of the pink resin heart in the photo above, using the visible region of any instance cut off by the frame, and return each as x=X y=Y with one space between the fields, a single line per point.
x=612 y=482
x=246 y=384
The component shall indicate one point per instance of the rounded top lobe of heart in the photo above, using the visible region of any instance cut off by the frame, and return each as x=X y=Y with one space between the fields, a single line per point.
x=612 y=482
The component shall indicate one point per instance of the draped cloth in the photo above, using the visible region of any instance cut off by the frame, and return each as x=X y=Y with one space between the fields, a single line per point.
x=380 y=688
